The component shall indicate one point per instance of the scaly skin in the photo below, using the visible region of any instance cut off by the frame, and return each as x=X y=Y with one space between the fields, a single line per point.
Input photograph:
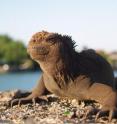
x=67 y=73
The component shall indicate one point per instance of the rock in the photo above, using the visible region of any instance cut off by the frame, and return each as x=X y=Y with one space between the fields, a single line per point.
x=55 y=111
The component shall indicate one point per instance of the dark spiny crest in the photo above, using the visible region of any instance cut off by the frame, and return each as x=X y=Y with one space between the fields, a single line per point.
x=55 y=37
x=68 y=47
x=67 y=40
x=67 y=56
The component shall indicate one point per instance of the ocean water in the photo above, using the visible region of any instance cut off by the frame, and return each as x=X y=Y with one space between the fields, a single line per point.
x=24 y=81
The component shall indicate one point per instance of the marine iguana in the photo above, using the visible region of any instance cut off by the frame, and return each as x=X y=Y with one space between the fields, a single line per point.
x=67 y=73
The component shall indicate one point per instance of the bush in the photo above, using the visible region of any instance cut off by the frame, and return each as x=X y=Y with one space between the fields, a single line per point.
x=11 y=51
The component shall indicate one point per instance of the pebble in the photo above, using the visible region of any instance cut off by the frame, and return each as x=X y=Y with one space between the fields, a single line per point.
x=46 y=112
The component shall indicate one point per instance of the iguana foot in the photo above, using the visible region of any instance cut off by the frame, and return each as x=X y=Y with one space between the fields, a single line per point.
x=28 y=98
x=111 y=113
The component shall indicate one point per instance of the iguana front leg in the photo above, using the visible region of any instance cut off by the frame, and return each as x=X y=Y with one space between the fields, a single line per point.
x=37 y=92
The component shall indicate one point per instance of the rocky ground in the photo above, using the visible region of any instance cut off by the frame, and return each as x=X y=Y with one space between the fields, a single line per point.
x=53 y=111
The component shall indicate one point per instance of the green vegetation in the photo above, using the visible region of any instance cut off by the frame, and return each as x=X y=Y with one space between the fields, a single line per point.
x=11 y=52
x=67 y=112
x=14 y=54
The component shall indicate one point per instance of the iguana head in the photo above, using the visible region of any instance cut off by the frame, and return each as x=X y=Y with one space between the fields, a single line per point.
x=47 y=46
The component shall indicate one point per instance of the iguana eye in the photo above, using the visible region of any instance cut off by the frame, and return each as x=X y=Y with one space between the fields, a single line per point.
x=51 y=41
x=53 y=38
x=34 y=40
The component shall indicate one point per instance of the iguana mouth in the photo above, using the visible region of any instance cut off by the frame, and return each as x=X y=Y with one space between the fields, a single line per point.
x=40 y=50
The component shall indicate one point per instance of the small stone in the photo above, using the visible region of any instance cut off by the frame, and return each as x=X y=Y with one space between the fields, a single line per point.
x=74 y=102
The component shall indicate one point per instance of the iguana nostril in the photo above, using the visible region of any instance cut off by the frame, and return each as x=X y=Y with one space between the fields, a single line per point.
x=34 y=40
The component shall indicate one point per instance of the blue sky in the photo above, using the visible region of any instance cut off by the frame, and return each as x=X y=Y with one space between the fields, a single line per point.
x=91 y=23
